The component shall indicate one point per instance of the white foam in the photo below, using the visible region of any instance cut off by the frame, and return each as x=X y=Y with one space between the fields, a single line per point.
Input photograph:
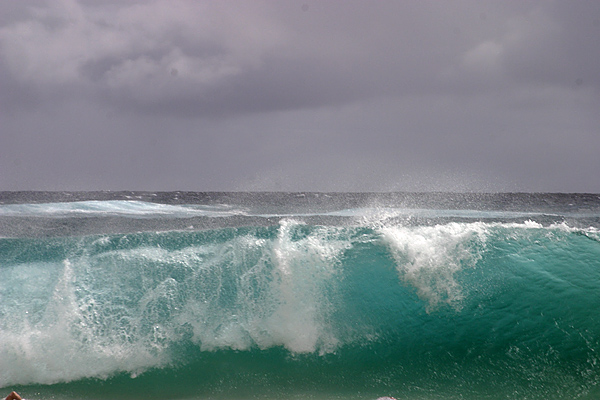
x=428 y=257
x=301 y=268
x=129 y=208
x=281 y=298
x=63 y=345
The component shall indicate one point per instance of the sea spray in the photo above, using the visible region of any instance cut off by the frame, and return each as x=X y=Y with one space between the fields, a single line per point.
x=429 y=257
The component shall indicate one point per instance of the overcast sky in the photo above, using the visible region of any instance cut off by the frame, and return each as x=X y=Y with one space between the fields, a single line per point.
x=468 y=95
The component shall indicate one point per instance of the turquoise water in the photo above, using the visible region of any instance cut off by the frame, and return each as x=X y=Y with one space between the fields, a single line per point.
x=250 y=300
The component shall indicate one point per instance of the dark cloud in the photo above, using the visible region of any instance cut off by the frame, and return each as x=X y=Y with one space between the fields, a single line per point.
x=271 y=56
x=230 y=60
x=268 y=95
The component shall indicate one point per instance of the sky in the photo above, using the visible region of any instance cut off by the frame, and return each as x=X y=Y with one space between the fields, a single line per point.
x=457 y=95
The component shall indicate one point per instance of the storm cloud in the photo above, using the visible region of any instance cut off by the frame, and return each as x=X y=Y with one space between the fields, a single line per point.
x=316 y=95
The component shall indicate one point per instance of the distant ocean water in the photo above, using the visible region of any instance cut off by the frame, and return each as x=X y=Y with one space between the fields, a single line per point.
x=139 y=295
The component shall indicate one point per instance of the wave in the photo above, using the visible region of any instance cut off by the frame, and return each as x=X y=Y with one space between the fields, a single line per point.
x=378 y=305
x=114 y=208
x=141 y=209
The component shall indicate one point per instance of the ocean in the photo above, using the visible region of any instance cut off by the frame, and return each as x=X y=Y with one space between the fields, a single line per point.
x=233 y=296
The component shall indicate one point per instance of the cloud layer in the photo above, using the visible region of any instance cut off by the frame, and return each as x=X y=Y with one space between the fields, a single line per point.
x=267 y=95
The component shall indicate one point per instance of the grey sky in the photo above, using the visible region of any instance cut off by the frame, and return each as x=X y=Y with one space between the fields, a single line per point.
x=308 y=95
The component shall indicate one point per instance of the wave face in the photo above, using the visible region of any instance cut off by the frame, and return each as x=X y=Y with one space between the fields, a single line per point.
x=321 y=303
